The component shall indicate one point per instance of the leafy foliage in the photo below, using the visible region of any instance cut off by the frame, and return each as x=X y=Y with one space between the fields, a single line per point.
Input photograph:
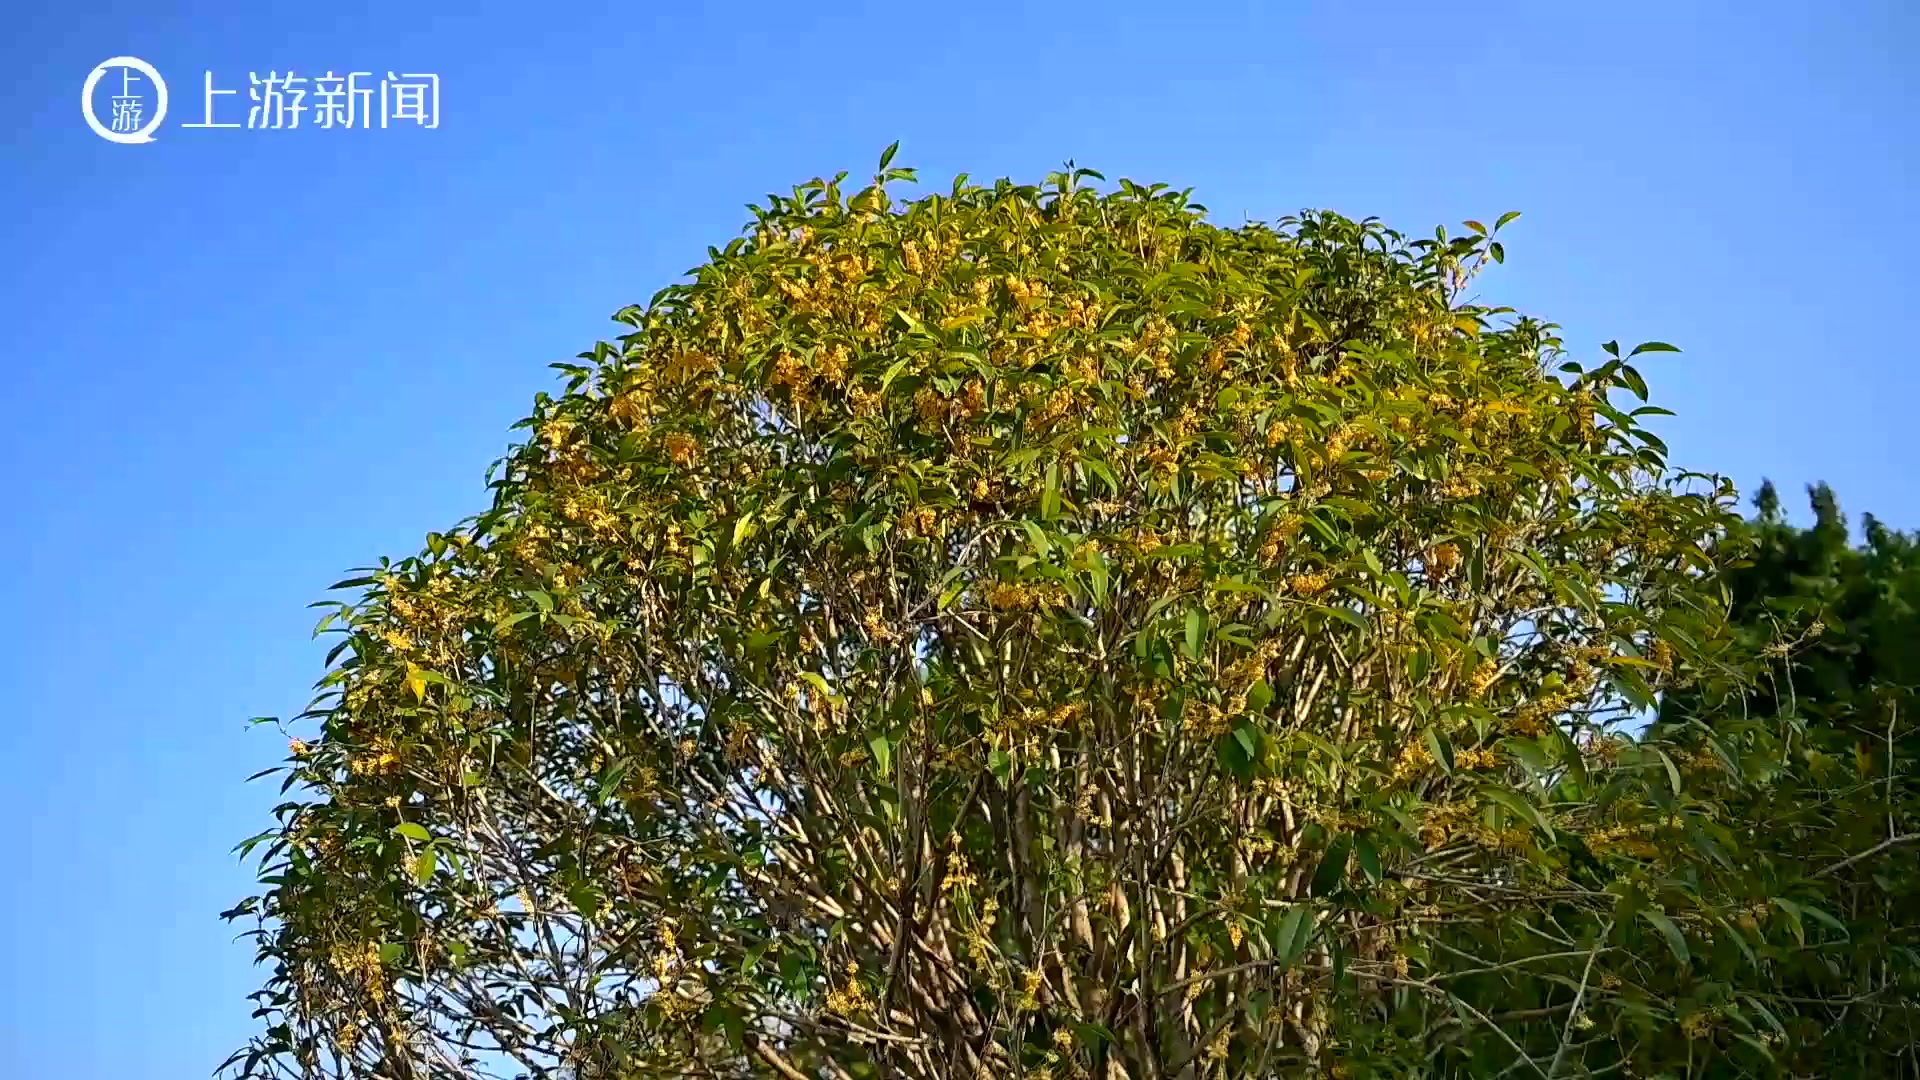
x=1834 y=810
x=1032 y=631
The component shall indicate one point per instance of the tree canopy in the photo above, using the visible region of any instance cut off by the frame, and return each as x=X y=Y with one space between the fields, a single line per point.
x=1834 y=820
x=1034 y=631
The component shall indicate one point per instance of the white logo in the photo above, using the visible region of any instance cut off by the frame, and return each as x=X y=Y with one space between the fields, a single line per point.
x=129 y=105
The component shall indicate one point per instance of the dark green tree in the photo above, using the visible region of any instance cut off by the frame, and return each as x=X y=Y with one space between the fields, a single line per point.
x=1830 y=746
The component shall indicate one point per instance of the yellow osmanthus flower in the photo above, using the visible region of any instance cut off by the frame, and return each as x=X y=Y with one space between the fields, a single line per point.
x=682 y=449
x=1029 y=999
x=1413 y=761
x=863 y=403
x=931 y=407
x=1628 y=839
x=831 y=364
x=1661 y=656
x=383 y=759
x=1443 y=822
x=1020 y=596
x=959 y=875
x=1533 y=717
x=974 y=399
x=1477 y=759
x=850 y=999
x=1311 y=584
x=632 y=409
x=556 y=432
x=1483 y=677
x=1702 y=759
x=1508 y=839
x=1208 y=721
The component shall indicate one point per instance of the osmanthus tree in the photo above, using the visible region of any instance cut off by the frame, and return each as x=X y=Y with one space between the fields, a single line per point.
x=1029 y=631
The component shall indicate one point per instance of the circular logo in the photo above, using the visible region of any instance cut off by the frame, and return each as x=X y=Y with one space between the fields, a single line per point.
x=139 y=105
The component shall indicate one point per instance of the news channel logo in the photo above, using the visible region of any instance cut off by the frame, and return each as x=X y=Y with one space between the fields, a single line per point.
x=125 y=100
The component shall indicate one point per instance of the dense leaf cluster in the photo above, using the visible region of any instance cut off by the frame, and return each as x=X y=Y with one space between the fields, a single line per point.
x=1832 y=821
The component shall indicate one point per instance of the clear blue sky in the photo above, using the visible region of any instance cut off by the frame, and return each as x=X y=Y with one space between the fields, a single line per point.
x=238 y=362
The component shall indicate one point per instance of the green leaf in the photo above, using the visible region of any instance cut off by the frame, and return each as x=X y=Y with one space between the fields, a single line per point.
x=1196 y=631
x=1234 y=758
x=1248 y=737
x=886 y=156
x=585 y=899
x=1105 y=472
x=513 y=620
x=425 y=865
x=1652 y=346
x=1291 y=934
x=1333 y=867
x=1820 y=916
x=1673 y=771
x=882 y=753
x=412 y=831
x=1346 y=615
x=1037 y=537
x=1050 y=493
x=1093 y=1036
x=1369 y=857
x=1530 y=755
x=1634 y=382
x=1519 y=807
x=1675 y=939
x=1373 y=562
x=1504 y=218
x=893 y=372
x=1259 y=697
x=1097 y=574
x=1419 y=661
x=1792 y=911
x=1440 y=748
x=1764 y=1050
x=952 y=592
x=726 y=1020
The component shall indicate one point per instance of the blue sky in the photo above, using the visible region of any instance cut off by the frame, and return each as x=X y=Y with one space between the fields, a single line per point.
x=239 y=362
